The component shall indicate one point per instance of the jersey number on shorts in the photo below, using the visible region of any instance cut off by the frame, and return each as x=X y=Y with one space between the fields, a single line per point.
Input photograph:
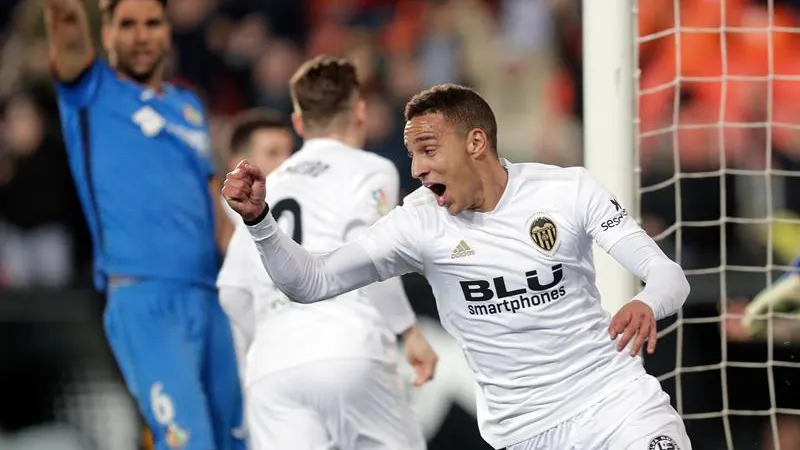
x=291 y=206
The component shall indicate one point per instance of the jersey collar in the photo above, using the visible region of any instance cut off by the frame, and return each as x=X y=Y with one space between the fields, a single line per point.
x=321 y=143
x=508 y=192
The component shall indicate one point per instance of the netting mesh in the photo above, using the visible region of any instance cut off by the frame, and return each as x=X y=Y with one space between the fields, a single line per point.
x=717 y=144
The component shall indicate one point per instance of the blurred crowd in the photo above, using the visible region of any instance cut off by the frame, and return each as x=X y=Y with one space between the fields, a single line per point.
x=241 y=53
x=524 y=56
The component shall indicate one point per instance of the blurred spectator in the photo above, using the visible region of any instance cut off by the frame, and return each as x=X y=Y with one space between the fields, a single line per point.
x=40 y=245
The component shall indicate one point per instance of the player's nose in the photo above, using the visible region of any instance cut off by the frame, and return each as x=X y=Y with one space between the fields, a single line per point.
x=418 y=169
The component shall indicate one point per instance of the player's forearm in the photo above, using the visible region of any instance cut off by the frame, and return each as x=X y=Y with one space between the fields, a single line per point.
x=238 y=306
x=223 y=227
x=70 y=42
x=666 y=286
x=391 y=301
x=305 y=277
x=410 y=332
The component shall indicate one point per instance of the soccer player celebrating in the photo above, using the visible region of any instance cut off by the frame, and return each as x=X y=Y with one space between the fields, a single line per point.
x=140 y=154
x=507 y=250
x=325 y=375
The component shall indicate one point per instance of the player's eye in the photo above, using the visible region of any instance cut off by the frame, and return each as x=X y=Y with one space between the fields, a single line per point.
x=430 y=151
x=126 y=23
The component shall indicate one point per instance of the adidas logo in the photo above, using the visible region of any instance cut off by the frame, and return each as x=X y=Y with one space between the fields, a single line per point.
x=462 y=250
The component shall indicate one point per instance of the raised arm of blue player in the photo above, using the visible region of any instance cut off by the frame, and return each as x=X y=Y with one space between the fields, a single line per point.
x=71 y=48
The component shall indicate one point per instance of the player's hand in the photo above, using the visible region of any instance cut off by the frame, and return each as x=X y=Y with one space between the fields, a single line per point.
x=635 y=319
x=245 y=190
x=420 y=355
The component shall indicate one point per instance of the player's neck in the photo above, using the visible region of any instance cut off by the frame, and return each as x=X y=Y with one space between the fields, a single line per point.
x=348 y=138
x=494 y=180
x=154 y=83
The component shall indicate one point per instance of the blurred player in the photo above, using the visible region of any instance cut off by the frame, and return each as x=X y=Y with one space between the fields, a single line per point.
x=507 y=250
x=782 y=297
x=265 y=139
x=325 y=375
x=140 y=154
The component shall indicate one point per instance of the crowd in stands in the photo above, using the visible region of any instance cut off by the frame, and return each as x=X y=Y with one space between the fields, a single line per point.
x=522 y=55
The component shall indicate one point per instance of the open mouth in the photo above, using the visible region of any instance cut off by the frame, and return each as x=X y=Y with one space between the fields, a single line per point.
x=438 y=189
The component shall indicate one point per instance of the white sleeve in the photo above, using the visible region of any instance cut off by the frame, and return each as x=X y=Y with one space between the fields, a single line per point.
x=666 y=286
x=380 y=253
x=238 y=306
x=234 y=283
x=600 y=213
x=379 y=195
x=235 y=270
x=608 y=223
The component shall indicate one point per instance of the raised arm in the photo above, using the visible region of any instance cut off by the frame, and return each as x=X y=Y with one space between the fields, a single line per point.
x=71 y=48
x=379 y=254
x=306 y=277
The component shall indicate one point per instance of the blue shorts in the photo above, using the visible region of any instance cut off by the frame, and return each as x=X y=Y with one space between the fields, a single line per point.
x=173 y=344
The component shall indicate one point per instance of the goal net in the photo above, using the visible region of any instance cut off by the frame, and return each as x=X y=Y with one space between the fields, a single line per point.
x=716 y=102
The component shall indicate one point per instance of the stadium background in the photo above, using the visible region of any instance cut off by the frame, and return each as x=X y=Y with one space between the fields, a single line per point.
x=58 y=385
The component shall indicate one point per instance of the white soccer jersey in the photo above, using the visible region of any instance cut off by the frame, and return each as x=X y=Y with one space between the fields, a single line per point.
x=322 y=196
x=516 y=288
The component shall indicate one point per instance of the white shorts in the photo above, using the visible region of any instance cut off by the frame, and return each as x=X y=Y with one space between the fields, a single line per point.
x=347 y=404
x=637 y=417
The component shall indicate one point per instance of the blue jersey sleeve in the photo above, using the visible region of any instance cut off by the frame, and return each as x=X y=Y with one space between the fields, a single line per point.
x=83 y=90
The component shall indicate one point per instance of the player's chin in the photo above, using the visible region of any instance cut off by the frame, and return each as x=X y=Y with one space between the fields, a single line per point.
x=142 y=75
x=141 y=70
x=453 y=208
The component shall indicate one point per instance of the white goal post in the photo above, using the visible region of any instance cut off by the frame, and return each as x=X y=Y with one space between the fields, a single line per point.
x=608 y=128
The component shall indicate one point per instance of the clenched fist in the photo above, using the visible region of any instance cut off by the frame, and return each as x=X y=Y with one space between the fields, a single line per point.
x=245 y=190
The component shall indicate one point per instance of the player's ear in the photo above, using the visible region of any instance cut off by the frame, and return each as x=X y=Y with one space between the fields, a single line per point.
x=105 y=37
x=168 y=39
x=361 y=111
x=297 y=123
x=476 y=142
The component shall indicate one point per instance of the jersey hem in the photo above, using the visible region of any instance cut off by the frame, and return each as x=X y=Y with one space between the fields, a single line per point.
x=145 y=276
x=528 y=433
x=385 y=360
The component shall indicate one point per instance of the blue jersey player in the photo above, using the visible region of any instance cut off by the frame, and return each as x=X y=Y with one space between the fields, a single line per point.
x=140 y=154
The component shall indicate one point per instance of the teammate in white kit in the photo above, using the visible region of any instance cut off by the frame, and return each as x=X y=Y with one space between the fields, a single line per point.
x=265 y=139
x=325 y=375
x=507 y=250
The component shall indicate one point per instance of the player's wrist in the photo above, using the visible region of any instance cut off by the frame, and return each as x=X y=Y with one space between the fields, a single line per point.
x=410 y=332
x=255 y=220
